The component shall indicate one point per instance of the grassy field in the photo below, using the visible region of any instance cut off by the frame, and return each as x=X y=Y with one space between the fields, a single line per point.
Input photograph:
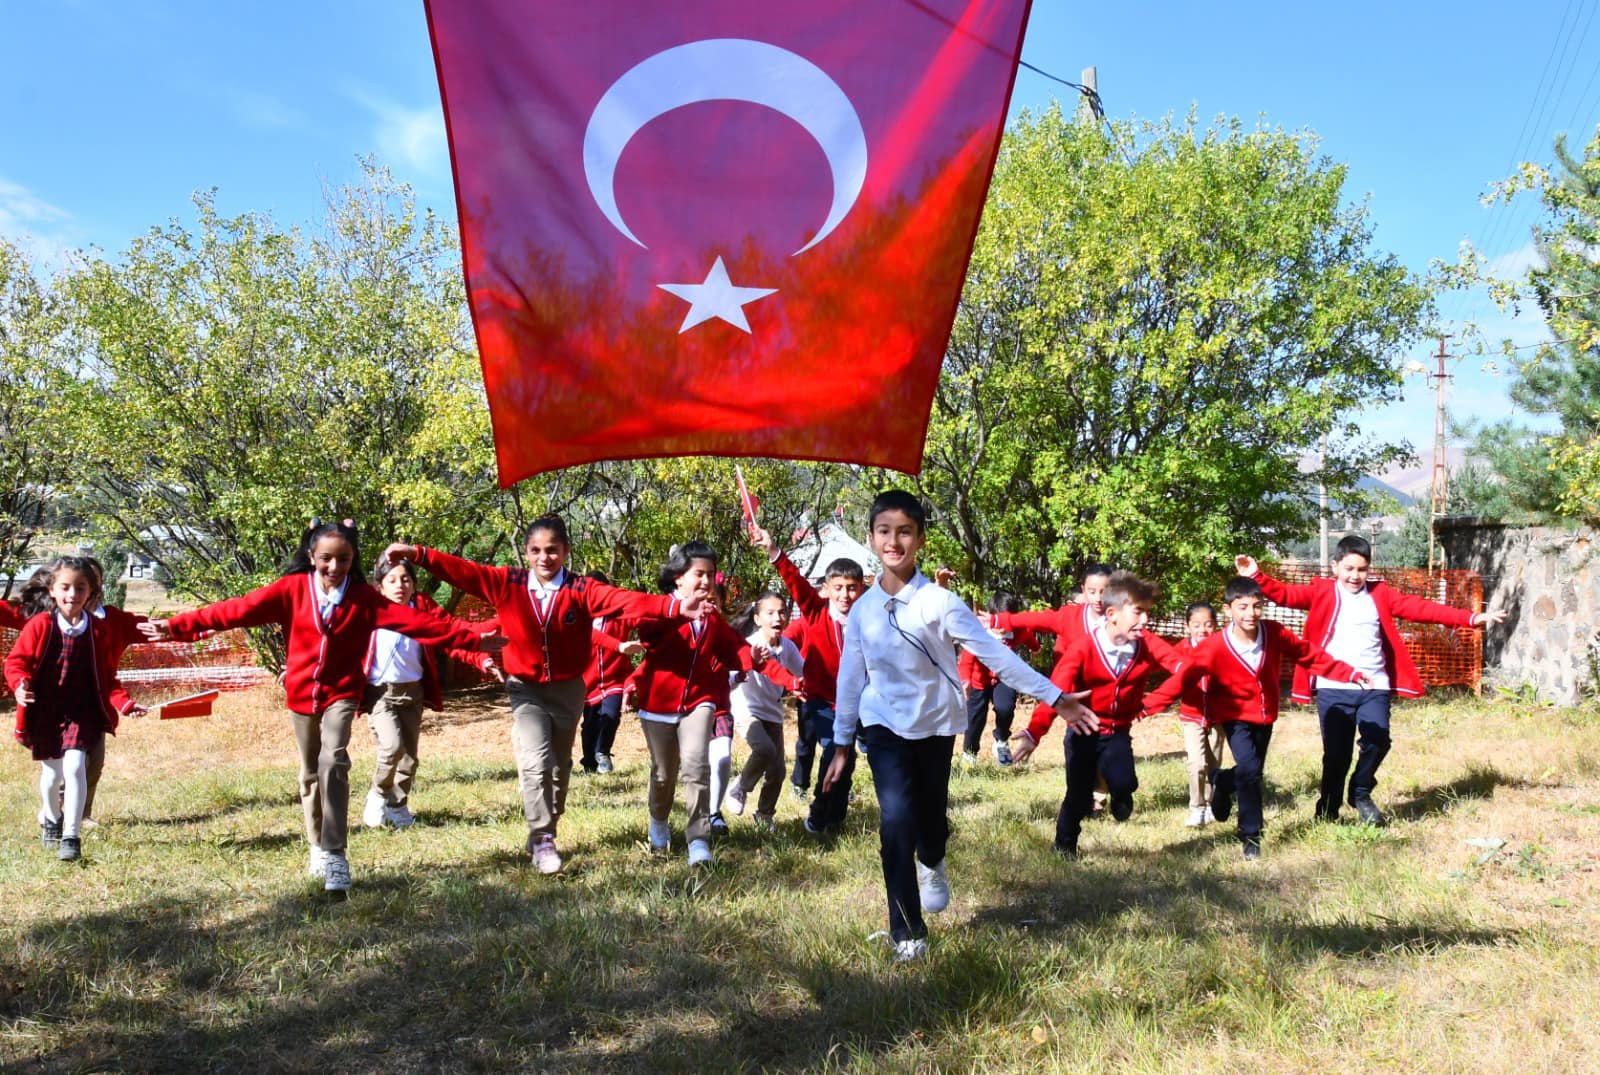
x=190 y=939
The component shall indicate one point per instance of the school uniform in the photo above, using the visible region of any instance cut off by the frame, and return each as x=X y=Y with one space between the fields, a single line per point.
x=682 y=686
x=985 y=689
x=1115 y=677
x=899 y=690
x=1241 y=694
x=1068 y=623
x=757 y=702
x=327 y=637
x=1202 y=741
x=604 y=680
x=1360 y=629
x=822 y=641
x=73 y=672
x=549 y=629
x=402 y=680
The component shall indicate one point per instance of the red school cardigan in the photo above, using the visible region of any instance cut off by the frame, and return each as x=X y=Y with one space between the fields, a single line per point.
x=39 y=643
x=1118 y=700
x=978 y=676
x=432 y=692
x=683 y=669
x=821 y=639
x=1321 y=599
x=1233 y=690
x=326 y=661
x=608 y=669
x=553 y=647
x=1068 y=623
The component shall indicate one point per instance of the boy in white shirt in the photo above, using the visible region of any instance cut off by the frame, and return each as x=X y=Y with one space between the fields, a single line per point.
x=898 y=685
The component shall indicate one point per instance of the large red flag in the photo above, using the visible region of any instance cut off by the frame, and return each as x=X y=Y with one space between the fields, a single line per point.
x=722 y=227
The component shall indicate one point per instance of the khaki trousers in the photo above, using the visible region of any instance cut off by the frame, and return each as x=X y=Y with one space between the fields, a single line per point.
x=766 y=760
x=681 y=752
x=544 y=725
x=395 y=712
x=1204 y=747
x=324 y=740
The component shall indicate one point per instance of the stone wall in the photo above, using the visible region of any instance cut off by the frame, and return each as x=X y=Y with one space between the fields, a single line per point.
x=1547 y=580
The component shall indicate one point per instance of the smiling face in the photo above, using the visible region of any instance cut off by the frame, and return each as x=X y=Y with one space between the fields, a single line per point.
x=1127 y=621
x=71 y=591
x=897 y=539
x=546 y=554
x=1245 y=612
x=331 y=558
x=841 y=592
x=699 y=579
x=1351 y=571
x=398 y=585
x=1201 y=624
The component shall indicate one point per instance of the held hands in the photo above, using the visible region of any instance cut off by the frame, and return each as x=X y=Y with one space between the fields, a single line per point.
x=630 y=647
x=763 y=539
x=1022 y=747
x=1075 y=715
x=156 y=630
x=841 y=758
x=25 y=695
x=489 y=668
x=1246 y=566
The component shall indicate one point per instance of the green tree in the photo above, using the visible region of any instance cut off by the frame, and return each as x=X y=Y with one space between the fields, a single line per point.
x=1149 y=343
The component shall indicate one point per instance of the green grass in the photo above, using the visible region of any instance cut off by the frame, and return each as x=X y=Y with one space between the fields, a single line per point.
x=190 y=939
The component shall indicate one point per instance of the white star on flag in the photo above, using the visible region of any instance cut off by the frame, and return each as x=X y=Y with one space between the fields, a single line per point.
x=716 y=297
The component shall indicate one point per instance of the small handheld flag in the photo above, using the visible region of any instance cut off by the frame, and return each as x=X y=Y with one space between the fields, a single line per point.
x=746 y=501
x=191 y=705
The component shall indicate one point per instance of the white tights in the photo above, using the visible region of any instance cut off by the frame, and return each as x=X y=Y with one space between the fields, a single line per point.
x=720 y=754
x=64 y=779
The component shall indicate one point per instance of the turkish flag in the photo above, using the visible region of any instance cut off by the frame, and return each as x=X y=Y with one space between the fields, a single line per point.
x=718 y=227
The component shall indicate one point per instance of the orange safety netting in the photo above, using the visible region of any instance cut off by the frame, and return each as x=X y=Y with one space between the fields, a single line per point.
x=224 y=661
x=1444 y=656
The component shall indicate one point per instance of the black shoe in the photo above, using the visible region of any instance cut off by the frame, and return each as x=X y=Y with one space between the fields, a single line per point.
x=50 y=834
x=1252 y=848
x=1066 y=851
x=1368 y=811
x=1325 y=811
x=1221 y=793
x=719 y=827
x=71 y=849
x=1121 y=807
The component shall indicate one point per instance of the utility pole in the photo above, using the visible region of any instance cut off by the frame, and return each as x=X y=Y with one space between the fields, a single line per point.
x=1322 y=501
x=1089 y=102
x=1441 y=471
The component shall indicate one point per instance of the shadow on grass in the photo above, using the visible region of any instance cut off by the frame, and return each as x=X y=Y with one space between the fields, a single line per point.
x=1478 y=782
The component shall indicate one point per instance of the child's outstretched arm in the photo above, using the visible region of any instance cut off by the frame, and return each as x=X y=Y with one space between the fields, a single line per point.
x=1318 y=660
x=481 y=580
x=1420 y=610
x=258 y=608
x=806 y=597
x=961 y=625
x=1279 y=593
x=434 y=628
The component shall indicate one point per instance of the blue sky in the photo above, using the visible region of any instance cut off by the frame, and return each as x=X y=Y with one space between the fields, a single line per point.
x=116 y=112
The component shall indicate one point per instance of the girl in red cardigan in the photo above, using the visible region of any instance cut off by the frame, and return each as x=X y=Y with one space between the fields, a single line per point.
x=1202 y=742
x=328 y=616
x=1353 y=617
x=683 y=686
x=63 y=670
x=547 y=614
x=402 y=678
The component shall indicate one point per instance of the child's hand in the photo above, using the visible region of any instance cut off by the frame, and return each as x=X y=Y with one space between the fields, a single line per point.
x=1362 y=680
x=1077 y=716
x=763 y=539
x=25 y=695
x=1022 y=748
x=694 y=606
x=398 y=551
x=1482 y=619
x=630 y=647
x=489 y=668
x=1246 y=566
x=136 y=710
x=492 y=641
x=944 y=576
x=841 y=756
x=760 y=654
x=156 y=630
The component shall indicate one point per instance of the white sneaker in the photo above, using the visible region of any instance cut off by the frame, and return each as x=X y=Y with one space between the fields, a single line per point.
x=336 y=874
x=699 y=853
x=398 y=816
x=546 y=859
x=317 y=865
x=660 y=835
x=736 y=798
x=934 y=886
x=910 y=951
x=968 y=759
x=1210 y=817
x=1197 y=817
x=372 y=813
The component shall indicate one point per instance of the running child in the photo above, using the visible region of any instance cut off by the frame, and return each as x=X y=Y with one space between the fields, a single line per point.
x=1113 y=662
x=757 y=701
x=1202 y=742
x=402 y=678
x=1241 y=667
x=63 y=671
x=547 y=615
x=984 y=688
x=824 y=615
x=605 y=679
x=1071 y=621
x=328 y=615
x=899 y=691
x=1353 y=617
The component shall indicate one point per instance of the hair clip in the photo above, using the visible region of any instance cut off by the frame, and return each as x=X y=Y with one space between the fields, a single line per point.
x=349 y=524
x=315 y=522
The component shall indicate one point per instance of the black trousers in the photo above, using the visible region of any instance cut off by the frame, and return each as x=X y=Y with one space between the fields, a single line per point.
x=1248 y=744
x=1004 y=700
x=1088 y=758
x=805 y=744
x=827 y=807
x=599 y=729
x=912 y=781
x=1342 y=714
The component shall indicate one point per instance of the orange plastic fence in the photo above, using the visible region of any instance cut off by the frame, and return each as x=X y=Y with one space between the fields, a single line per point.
x=1445 y=656
x=222 y=662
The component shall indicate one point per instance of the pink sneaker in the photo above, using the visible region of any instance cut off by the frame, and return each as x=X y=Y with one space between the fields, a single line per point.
x=546 y=859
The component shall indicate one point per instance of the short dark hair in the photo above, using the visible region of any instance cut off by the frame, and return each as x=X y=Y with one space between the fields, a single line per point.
x=844 y=568
x=385 y=566
x=1093 y=568
x=599 y=576
x=680 y=560
x=898 y=500
x=1238 y=587
x=1000 y=601
x=1198 y=606
x=1353 y=543
x=551 y=522
x=1126 y=588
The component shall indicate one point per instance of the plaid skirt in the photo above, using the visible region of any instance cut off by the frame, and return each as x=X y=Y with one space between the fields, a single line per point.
x=722 y=726
x=54 y=734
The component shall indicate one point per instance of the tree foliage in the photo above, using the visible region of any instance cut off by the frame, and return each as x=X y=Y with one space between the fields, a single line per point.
x=1149 y=343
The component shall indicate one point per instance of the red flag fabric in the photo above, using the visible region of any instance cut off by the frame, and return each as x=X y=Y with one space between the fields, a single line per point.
x=725 y=227
x=191 y=705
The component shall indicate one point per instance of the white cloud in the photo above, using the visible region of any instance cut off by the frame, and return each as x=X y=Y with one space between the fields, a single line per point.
x=1515 y=265
x=42 y=230
x=409 y=138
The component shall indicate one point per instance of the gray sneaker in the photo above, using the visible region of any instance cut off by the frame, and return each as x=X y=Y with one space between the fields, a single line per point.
x=602 y=763
x=336 y=872
x=71 y=849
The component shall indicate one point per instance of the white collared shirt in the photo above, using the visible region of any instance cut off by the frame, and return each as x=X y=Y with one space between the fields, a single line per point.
x=75 y=630
x=758 y=698
x=327 y=602
x=1251 y=653
x=543 y=594
x=1116 y=656
x=899 y=670
x=395 y=658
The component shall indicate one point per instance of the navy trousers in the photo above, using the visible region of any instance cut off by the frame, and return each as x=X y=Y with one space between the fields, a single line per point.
x=1343 y=714
x=1004 y=700
x=827 y=807
x=599 y=729
x=1248 y=743
x=912 y=781
x=1088 y=758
